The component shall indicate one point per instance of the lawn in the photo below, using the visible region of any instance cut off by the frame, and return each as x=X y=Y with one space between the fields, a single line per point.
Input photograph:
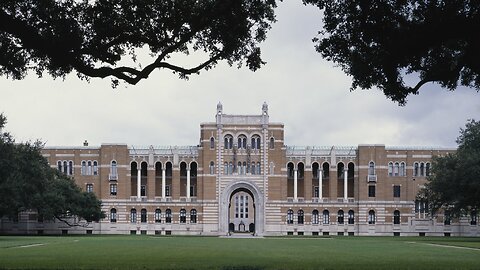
x=150 y=252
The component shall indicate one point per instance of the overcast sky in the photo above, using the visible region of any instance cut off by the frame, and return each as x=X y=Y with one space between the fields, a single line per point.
x=308 y=94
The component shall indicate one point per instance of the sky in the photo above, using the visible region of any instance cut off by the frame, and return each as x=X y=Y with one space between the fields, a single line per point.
x=308 y=94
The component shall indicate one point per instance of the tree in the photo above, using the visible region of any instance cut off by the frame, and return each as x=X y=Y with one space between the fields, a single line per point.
x=93 y=38
x=27 y=182
x=455 y=182
x=378 y=43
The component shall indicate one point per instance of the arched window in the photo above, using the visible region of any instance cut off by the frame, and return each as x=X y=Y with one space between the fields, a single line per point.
x=325 y=170
x=315 y=216
x=228 y=142
x=183 y=216
x=244 y=167
x=290 y=169
x=113 y=168
x=422 y=169
x=371 y=217
x=371 y=168
x=396 y=168
x=230 y=168
x=259 y=168
x=326 y=217
x=390 y=169
x=340 y=170
x=95 y=167
x=351 y=217
x=300 y=215
x=415 y=169
x=447 y=218
x=396 y=217
x=253 y=168
x=70 y=167
x=193 y=216
x=239 y=167
x=158 y=216
x=242 y=142
x=133 y=215
x=290 y=216
x=427 y=169
x=301 y=170
x=59 y=166
x=143 y=215
x=340 y=217
x=211 y=167
x=84 y=168
x=402 y=169
x=473 y=217
x=212 y=143
x=256 y=142
x=272 y=143
x=89 y=167
x=168 y=216
x=113 y=215
x=65 y=167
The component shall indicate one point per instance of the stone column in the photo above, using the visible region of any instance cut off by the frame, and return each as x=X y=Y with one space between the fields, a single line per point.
x=320 y=184
x=188 y=183
x=163 y=183
x=139 y=182
x=295 y=184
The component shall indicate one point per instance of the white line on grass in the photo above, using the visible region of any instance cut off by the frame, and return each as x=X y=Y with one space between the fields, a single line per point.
x=447 y=246
x=31 y=245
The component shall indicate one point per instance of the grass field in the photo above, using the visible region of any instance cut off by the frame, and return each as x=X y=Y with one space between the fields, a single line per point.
x=150 y=252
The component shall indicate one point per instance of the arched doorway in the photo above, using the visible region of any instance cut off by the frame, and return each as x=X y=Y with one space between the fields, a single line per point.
x=228 y=205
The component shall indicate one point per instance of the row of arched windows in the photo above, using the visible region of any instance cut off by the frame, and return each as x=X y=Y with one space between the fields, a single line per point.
x=65 y=167
x=89 y=167
x=350 y=219
x=316 y=169
x=242 y=168
x=241 y=142
x=167 y=217
x=316 y=218
x=421 y=169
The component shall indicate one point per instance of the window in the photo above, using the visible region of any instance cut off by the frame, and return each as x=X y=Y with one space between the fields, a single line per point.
x=396 y=191
x=65 y=167
x=113 y=189
x=351 y=217
x=133 y=215
x=230 y=168
x=371 y=217
x=59 y=166
x=371 y=191
x=168 y=216
x=340 y=217
x=228 y=142
x=396 y=168
x=89 y=188
x=473 y=217
x=326 y=217
x=300 y=216
x=315 y=217
x=256 y=142
x=84 y=168
x=253 y=169
x=415 y=169
x=290 y=216
x=95 y=167
x=242 y=142
x=89 y=167
x=390 y=169
x=447 y=218
x=143 y=215
x=113 y=168
x=183 y=216
x=402 y=169
x=158 y=216
x=212 y=143
x=211 y=167
x=259 y=169
x=239 y=167
x=427 y=169
x=113 y=215
x=272 y=143
x=371 y=168
x=193 y=216
x=70 y=167
x=422 y=169
x=396 y=217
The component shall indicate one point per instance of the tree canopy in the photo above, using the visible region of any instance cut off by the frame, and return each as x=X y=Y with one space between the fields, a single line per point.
x=379 y=43
x=94 y=38
x=455 y=182
x=27 y=182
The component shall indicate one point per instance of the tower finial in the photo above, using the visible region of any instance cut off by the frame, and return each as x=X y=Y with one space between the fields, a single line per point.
x=265 y=108
x=219 y=108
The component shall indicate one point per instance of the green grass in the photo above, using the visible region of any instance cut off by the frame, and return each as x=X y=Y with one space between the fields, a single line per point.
x=149 y=252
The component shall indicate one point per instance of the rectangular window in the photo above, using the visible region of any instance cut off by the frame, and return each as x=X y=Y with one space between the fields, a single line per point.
x=113 y=189
x=89 y=188
x=396 y=191
x=371 y=191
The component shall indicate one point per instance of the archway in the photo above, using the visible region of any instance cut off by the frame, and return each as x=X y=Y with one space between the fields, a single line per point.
x=257 y=204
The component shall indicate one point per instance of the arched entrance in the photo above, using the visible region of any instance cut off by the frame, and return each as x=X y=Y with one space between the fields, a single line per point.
x=255 y=223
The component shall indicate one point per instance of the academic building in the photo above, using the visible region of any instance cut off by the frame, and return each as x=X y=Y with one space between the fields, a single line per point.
x=243 y=177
